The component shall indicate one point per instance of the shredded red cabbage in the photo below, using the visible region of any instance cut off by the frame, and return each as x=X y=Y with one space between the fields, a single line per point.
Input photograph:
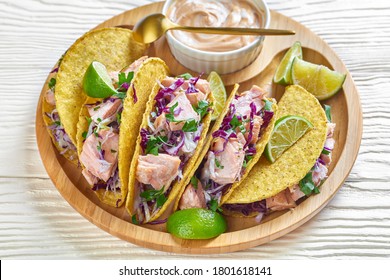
x=157 y=222
x=267 y=116
x=247 y=208
x=166 y=93
x=135 y=98
x=251 y=116
x=113 y=184
x=191 y=85
x=144 y=139
x=55 y=70
x=175 y=142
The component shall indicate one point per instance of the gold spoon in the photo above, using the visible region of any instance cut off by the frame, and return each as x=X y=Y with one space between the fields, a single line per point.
x=153 y=26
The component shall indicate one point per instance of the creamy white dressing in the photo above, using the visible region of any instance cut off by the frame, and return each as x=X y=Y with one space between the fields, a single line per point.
x=213 y=13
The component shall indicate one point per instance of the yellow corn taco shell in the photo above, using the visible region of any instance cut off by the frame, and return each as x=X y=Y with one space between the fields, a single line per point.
x=268 y=179
x=177 y=185
x=260 y=146
x=134 y=105
x=114 y=47
x=54 y=125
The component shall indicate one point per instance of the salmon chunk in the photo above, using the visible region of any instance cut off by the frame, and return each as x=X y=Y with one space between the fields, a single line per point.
x=101 y=164
x=184 y=111
x=257 y=122
x=132 y=68
x=228 y=163
x=281 y=201
x=158 y=171
x=202 y=86
x=193 y=197
x=49 y=96
x=242 y=103
x=104 y=110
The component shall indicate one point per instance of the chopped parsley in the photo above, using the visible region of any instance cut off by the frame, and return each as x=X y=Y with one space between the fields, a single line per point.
x=119 y=118
x=157 y=195
x=307 y=185
x=268 y=105
x=123 y=79
x=236 y=123
x=52 y=83
x=328 y=113
x=213 y=205
x=202 y=108
x=190 y=126
x=154 y=143
x=218 y=164
x=171 y=115
x=247 y=159
x=120 y=95
x=84 y=135
x=185 y=76
x=194 y=182
x=99 y=146
x=134 y=219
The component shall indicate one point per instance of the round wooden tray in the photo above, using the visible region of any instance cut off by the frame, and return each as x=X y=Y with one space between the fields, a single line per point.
x=242 y=233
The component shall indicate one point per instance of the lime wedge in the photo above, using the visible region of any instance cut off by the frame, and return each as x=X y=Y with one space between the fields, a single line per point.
x=196 y=223
x=319 y=80
x=97 y=83
x=283 y=72
x=287 y=131
x=219 y=92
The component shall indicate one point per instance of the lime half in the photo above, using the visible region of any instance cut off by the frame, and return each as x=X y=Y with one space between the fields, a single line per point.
x=287 y=131
x=97 y=82
x=196 y=223
x=219 y=92
x=316 y=79
x=283 y=72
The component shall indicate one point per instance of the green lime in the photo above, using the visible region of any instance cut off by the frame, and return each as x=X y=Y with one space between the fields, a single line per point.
x=97 y=83
x=196 y=223
x=219 y=92
x=287 y=131
x=316 y=79
x=283 y=72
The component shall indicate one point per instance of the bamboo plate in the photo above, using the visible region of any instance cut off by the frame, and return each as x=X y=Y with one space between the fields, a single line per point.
x=242 y=233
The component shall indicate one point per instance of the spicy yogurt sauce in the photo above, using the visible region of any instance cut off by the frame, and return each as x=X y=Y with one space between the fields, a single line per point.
x=214 y=13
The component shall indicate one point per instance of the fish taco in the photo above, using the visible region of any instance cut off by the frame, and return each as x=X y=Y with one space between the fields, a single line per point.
x=105 y=131
x=171 y=137
x=51 y=118
x=115 y=48
x=298 y=172
x=237 y=141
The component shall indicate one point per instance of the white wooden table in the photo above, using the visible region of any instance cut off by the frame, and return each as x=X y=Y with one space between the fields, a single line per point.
x=37 y=223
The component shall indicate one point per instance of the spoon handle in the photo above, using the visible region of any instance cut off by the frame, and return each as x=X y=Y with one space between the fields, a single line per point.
x=235 y=31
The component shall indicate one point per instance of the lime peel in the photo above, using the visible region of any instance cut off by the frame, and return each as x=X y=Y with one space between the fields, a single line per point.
x=219 y=93
x=287 y=131
x=283 y=71
x=97 y=82
x=196 y=223
x=319 y=80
